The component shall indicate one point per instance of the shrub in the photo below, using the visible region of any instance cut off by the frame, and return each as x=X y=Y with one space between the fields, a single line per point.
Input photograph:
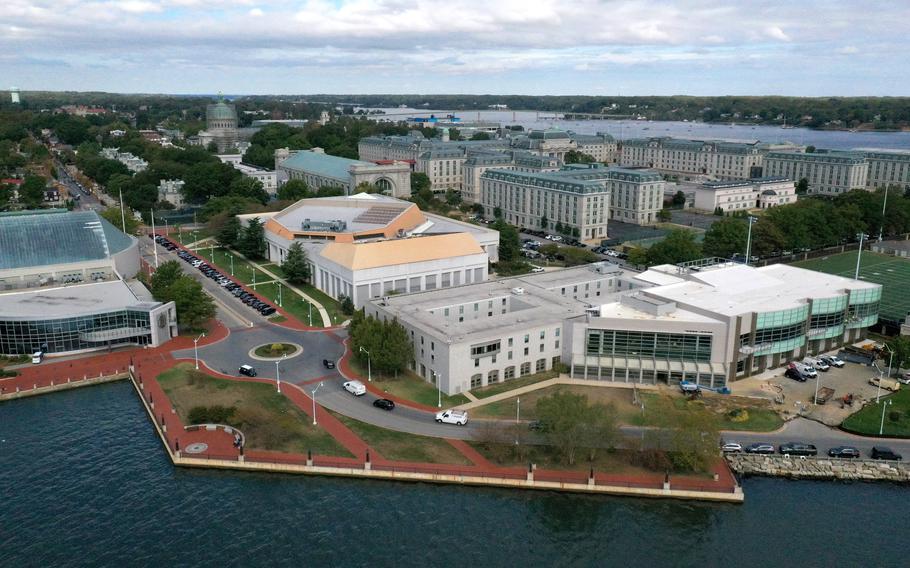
x=216 y=414
x=655 y=460
x=894 y=416
x=276 y=348
x=738 y=415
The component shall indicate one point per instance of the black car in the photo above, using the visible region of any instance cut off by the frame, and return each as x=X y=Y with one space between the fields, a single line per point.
x=384 y=403
x=844 y=452
x=328 y=363
x=247 y=370
x=759 y=448
x=268 y=311
x=798 y=449
x=795 y=375
x=885 y=453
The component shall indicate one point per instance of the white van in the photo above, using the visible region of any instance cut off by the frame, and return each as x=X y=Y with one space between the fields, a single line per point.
x=356 y=388
x=37 y=357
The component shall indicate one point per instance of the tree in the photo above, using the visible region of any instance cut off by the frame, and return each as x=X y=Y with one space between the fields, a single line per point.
x=679 y=199
x=387 y=342
x=719 y=211
x=293 y=190
x=114 y=217
x=193 y=305
x=163 y=278
x=419 y=182
x=367 y=187
x=509 y=242
x=31 y=192
x=558 y=227
x=664 y=216
x=544 y=222
x=810 y=149
x=252 y=239
x=576 y=157
x=229 y=232
x=725 y=238
x=454 y=134
x=900 y=345
x=481 y=136
x=497 y=212
x=250 y=188
x=691 y=433
x=802 y=186
x=678 y=246
x=638 y=256
x=572 y=423
x=766 y=238
x=295 y=265
x=347 y=305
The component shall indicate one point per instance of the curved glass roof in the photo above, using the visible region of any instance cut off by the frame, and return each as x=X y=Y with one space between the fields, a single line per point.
x=40 y=238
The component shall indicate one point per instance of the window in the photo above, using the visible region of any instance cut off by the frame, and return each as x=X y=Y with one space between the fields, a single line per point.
x=527 y=338
x=541 y=347
x=678 y=346
x=541 y=365
x=543 y=334
x=510 y=342
x=509 y=373
x=510 y=355
x=526 y=350
x=525 y=369
x=476 y=362
x=476 y=381
x=492 y=377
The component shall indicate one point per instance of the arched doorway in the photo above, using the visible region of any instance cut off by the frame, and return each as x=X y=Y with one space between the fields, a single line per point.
x=384 y=185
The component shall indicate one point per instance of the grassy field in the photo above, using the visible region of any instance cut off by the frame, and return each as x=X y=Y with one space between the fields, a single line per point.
x=868 y=420
x=891 y=272
x=409 y=386
x=267 y=419
x=512 y=384
x=400 y=446
x=621 y=399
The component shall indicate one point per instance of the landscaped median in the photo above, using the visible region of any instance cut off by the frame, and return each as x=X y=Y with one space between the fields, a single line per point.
x=407 y=387
x=894 y=409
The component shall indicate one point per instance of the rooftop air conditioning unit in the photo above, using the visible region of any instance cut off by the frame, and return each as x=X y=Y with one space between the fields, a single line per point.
x=305 y=225
x=401 y=233
x=518 y=291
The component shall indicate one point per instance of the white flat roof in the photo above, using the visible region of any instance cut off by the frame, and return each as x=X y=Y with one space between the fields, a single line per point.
x=622 y=311
x=65 y=301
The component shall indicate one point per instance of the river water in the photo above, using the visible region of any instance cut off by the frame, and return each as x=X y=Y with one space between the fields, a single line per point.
x=86 y=483
x=624 y=129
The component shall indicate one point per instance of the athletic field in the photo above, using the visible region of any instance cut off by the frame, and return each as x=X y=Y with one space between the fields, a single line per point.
x=893 y=273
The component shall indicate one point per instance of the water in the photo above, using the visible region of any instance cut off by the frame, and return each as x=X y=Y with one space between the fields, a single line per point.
x=624 y=129
x=85 y=482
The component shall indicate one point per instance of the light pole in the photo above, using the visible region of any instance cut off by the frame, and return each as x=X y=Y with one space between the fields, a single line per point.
x=881 y=427
x=154 y=245
x=196 y=349
x=817 y=381
x=369 y=365
x=751 y=220
x=517 y=417
x=438 y=391
x=859 y=254
x=313 y=392
x=881 y=229
x=278 y=372
x=279 y=296
x=232 y=262
x=311 y=313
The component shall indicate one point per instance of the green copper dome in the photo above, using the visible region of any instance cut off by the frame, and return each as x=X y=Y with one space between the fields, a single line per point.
x=220 y=111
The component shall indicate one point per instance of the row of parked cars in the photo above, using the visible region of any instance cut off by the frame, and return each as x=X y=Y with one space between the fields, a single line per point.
x=237 y=290
x=804 y=449
x=809 y=367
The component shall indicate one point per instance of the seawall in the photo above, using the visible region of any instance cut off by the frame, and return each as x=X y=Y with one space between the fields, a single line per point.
x=60 y=386
x=819 y=468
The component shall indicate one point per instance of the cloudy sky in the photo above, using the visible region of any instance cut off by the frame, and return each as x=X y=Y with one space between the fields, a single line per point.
x=600 y=47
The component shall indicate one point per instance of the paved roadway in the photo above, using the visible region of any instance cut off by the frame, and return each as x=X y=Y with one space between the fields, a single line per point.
x=87 y=200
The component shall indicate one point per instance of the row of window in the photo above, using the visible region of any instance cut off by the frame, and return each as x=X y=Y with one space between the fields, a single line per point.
x=65 y=334
x=681 y=346
x=509 y=372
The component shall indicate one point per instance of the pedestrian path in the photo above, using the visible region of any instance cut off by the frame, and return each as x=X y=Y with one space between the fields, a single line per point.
x=560 y=380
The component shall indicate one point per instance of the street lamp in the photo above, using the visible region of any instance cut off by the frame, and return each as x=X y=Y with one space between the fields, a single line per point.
x=817 y=381
x=279 y=296
x=751 y=220
x=313 y=393
x=232 y=262
x=311 y=313
x=881 y=428
x=369 y=365
x=278 y=372
x=859 y=254
x=881 y=229
x=196 y=349
x=517 y=417
x=438 y=390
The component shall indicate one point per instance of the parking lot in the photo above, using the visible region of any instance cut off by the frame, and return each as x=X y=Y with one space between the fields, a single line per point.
x=796 y=397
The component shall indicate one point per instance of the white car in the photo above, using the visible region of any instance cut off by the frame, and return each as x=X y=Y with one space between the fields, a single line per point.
x=731 y=448
x=537 y=269
x=807 y=370
x=356 y=388
x=833 y=360
x=819 y=364
x=459 y=417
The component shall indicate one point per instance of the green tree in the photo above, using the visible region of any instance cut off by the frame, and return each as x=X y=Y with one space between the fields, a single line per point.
x=193 y=305
x=690 y=433
x=664 y=216
x=900 y=345
x=293 y=190
x=250 y=188
x=572 y=423
x=453 y=198
x=295 y=265
x=576 y=157
x=544 y=222
x=252 y=239
x=419 y=182
x=481 y=136
x=638 y=256
x=347 y=305
x=766 y=238
x=810 y=149
x=726 y=237
x=679 y=199
x=454 y=134
x=163 y=278
x=509 y=242
x=229 y=232
x=719 y=211
x=802 y=186
x=497 y=212
x=678 y=246
x=558 y=228
x=113 y=217
x=31 y=192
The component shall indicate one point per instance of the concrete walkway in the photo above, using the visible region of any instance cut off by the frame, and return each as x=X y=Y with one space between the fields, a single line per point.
x=560 y=380
x=326 y=320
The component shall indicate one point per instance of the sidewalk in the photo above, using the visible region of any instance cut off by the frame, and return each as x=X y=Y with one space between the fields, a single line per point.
x=560 y=380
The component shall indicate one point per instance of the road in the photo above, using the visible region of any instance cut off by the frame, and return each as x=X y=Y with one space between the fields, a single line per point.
x=87 y=200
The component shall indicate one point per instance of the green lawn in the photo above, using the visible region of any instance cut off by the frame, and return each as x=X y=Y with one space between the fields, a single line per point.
x=891 y=272
x=400 y=446
x=511 y=384
x=409 y=387
x=268 y=420
x=759 y=417
x=868 y=420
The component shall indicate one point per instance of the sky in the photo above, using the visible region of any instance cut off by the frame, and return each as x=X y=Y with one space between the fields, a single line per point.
x=533 y=47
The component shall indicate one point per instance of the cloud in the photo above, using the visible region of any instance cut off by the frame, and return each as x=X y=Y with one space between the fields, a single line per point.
x=256 y=12
x=775 y=32
x=848 y=50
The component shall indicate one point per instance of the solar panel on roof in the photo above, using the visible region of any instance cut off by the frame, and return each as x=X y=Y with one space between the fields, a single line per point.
x=381 y=215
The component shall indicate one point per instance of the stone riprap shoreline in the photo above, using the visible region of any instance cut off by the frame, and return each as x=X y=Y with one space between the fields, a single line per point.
x=819 y=468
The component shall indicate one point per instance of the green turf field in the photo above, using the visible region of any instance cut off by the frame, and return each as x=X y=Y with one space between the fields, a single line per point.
x=893 y=273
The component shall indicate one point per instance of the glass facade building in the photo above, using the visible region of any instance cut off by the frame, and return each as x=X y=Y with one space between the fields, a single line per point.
x=76 y=333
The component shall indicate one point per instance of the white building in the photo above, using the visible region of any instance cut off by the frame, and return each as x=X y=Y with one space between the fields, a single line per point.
x=268 y=178
x=171 y=190
x=368 y=245
x=695 y=159
x=829 y=172
x=888 y=168
x=742 y=195
x=706 y=323
x=319 y=169
x=132 y=163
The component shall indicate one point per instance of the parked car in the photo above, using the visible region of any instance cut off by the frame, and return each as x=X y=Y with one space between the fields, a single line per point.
x=759 y=448
x=904 y=379
x=818 y=363
x=537 y=269
x=384 y=404
x=793 y=373
x=798 y=449
x=844 y=452
x=459 y=417
x=356 y=388
x=328 y=363
x=885 y=383
x=832 y=360
x=247 y=370
x=885 y=453
x=731 y=447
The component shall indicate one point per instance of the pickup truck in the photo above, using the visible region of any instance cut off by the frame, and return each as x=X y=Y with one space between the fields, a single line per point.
x=459 y=417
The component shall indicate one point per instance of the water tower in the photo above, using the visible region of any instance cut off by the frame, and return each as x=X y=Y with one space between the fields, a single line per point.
x=14 y=95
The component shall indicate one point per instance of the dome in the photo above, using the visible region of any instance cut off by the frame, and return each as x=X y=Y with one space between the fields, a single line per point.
x=220 y=111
